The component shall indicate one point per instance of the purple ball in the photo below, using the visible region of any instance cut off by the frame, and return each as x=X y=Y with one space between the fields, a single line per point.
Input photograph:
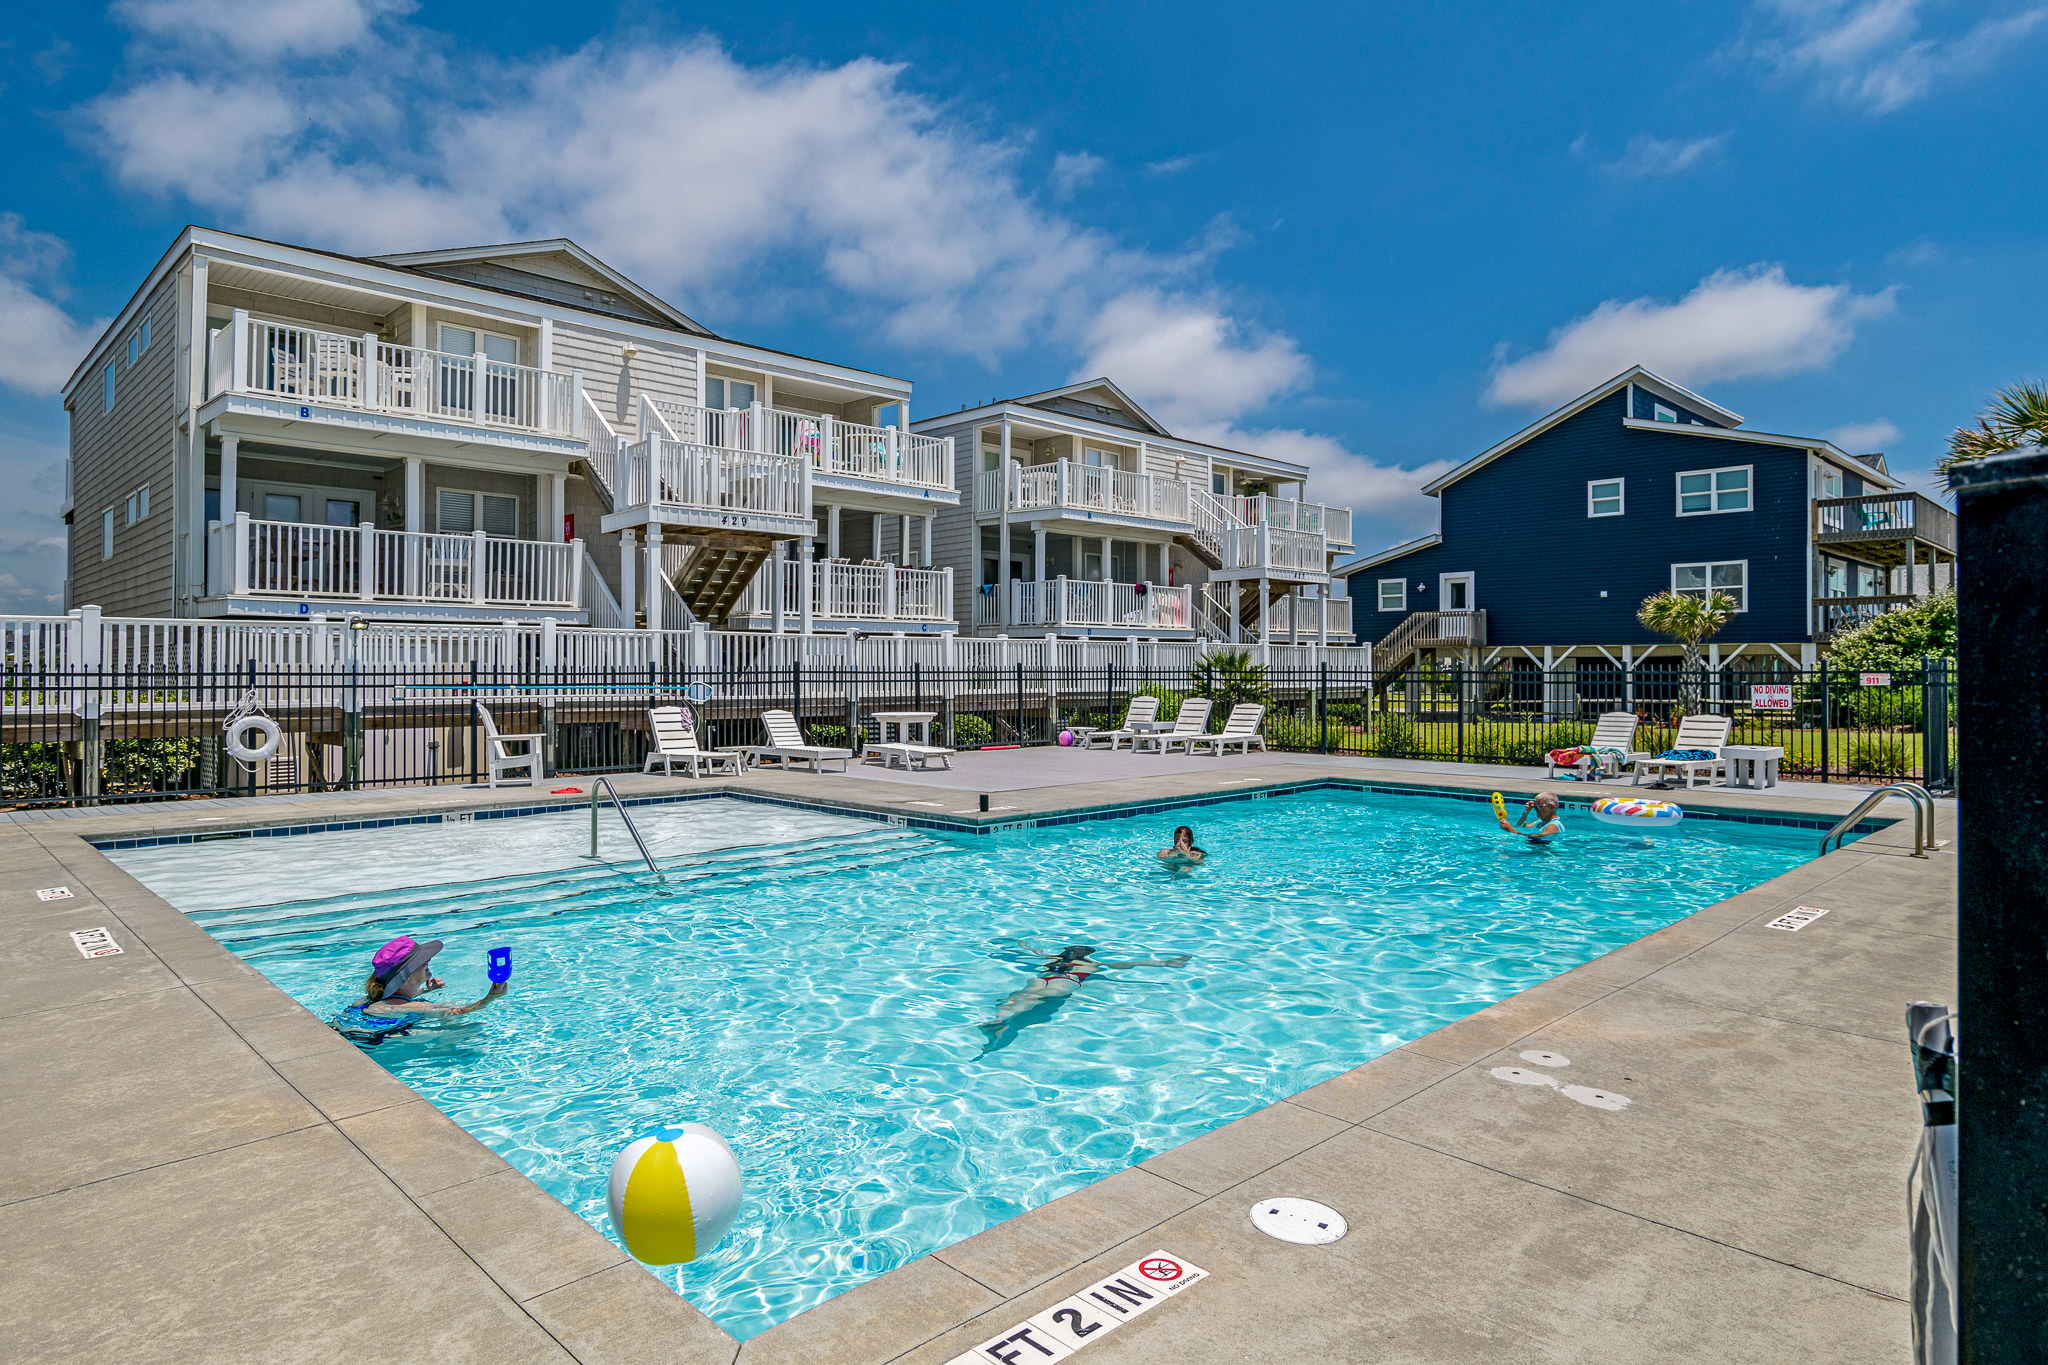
x=1066 y=736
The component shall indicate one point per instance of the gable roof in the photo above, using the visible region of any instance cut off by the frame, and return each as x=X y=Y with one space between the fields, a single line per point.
x=554 y=269
x=1392 y=552
x=1078 y=404
x=1634 y=374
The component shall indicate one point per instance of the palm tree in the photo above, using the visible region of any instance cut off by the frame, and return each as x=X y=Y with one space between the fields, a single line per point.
x=1229 y=676
x=1688 y=620
x=2017 y=417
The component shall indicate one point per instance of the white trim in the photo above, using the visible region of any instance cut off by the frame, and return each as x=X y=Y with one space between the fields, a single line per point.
x=1661 y=414
x=1827 y=450
x=1713 y=493
x=1620 y=496
x=107 y=534
x=1443 y=590
x=1710 y=565
x=1406 y=547
x=1380 y=595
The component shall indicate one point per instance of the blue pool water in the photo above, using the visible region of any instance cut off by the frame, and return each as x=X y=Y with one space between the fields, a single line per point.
x=809 y=986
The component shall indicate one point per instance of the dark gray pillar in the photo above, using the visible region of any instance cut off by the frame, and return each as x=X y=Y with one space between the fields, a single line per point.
x=2002 y=725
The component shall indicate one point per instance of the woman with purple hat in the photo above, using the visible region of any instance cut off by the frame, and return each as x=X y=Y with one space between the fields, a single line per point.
x=391 y=1003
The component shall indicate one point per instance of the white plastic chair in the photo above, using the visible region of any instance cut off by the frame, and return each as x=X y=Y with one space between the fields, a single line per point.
x=1241 y=729
x=499 y=757
x=1708 y=733
x=1189 y=725
x=673 y=740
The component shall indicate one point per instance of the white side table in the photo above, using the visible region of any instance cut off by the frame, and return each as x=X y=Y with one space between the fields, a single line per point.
x=1754 y=766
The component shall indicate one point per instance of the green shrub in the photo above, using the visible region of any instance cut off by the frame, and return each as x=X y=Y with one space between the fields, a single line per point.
x=1169 y=700
x=1877 y=757
x=971 y=731
x=828 y=736
x=1897 y=641
x=1393 y=736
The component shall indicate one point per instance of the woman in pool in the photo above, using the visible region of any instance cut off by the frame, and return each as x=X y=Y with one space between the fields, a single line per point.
x=1544 y=808
x=1183 y=853
x=1061 y=975
x=399 y=976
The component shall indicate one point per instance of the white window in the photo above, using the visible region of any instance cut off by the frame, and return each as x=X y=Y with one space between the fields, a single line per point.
x=138 y=342
x=1393 y=594
x=1662 y=413
x=138 y=504
x=1702 y=492
x=459 y=513
x=1830 y=483
x=468 y=341
x=1603 y=498
x=728 y=393
x=1696 y=580
x=107 y=404
x=1219 y=484
x=107 y=534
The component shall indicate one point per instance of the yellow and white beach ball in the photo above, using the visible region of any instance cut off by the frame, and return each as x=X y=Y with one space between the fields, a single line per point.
x=674 y=1193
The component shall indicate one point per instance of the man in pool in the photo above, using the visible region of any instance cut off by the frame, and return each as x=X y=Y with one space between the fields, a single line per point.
x=399 y=976
x=1183 y=853
x=1544 y=808
x=1061 y=975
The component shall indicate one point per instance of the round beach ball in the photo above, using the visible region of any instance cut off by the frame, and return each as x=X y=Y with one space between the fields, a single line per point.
x=674 y=1193
x=1066 y=736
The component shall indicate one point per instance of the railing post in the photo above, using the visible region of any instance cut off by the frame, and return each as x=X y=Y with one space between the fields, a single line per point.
x=477 y=555
x=889 y=572
x=1060 y=478
x=576 y=572
x=757 y=427
x=240 y=349
x=366 y=569
x=576 y=404
x=368 y=390
x=478 y=407
x=895 y=440
x=1059 y=602
x=238 y=578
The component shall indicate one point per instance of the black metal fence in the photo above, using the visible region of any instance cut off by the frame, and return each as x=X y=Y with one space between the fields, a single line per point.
x=88 y=735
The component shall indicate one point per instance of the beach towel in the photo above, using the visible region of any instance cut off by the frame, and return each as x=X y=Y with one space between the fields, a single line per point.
x=1687 y=755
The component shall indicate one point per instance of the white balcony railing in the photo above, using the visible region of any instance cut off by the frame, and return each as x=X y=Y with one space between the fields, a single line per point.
x=1058 y=602
x=1331 y=523
x=1063 y=485
x=250 y=558
x=855 y=592
x=714 y=479
x=884 y=454
x=335 y=369
x=1313 y=612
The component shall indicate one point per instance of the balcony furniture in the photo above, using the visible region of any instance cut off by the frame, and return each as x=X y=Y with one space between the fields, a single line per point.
x=1191 y=724
x=915 y=754
x=674 y=740
x=1615 y=730
x=1141 y=712
x=1706 y=734
x=1754 y=766
x=499 y=755
x=786 y=746
x=1241 y=729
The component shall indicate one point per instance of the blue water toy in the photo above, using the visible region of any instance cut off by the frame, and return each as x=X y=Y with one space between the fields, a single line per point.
x=370 y=1029
x=501 y=965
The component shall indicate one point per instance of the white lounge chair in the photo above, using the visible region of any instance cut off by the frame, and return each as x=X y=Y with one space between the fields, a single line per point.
x=1706 y=733
x=673 y=739
x=914 y=757
x=1615 y=730
x=1242 y=729
x=1142 y=711
x=499 y=759
x=786 y=745
x=1189 y=725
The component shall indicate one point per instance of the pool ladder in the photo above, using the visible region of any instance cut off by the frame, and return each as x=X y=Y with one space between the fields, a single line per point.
x=1916 y=797
x=631 y=828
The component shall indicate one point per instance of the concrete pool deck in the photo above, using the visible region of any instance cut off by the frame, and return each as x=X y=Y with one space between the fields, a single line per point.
x=201 y=1169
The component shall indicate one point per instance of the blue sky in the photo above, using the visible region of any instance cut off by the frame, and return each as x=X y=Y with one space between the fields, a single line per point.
x=1377 y=241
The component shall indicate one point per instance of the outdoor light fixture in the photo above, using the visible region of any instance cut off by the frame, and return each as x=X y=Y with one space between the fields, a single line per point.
x=356 y=622
x=628 y=351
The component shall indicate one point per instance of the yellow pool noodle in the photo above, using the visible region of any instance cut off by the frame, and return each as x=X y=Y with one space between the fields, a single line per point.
x=1500 y=805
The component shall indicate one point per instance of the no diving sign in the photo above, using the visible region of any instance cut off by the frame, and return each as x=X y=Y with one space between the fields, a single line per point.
x=1075 y=1322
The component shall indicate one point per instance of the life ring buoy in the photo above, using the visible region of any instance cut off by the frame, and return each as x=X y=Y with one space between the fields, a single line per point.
x=1637 y=813
x=261 y=753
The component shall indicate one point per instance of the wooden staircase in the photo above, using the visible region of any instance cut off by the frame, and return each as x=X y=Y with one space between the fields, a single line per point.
x=1426 y=630
x=711 y=578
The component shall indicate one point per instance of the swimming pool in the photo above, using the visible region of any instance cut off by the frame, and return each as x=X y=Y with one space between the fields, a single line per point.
x=809 y=986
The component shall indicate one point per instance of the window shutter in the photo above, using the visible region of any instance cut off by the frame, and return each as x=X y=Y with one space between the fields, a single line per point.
x=455 y=513
x=501 y=516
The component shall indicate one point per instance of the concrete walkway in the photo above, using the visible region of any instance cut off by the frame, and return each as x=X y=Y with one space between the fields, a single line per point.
x=201 y=1170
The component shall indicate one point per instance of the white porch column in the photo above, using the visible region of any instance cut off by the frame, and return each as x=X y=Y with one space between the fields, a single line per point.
x=1294 y=600
x=415 y=493
x=1106 y=574
x=558 y=507
x=807 y=574
x=1265 y=616
x=903 y=553
x=1038 y=552
x=832 y=533
x=875 y=537
x=230 y=446
x=1237 y=611
x=777 y=562
x=927 y=519
x=1006 y=610
x=654 y=578
x=1323 y=634
x=629 y=572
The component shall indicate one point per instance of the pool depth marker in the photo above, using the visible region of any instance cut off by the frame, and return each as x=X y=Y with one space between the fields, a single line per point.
x=1077 y=1321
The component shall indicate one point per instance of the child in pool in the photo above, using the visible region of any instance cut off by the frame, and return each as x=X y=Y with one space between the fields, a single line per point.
x=1183 y=853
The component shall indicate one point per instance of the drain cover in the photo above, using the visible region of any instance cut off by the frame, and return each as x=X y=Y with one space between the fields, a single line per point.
x=1298 y=1220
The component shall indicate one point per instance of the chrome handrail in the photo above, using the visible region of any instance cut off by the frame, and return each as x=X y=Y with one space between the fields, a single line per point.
x=631 y=828
x=1916 y=797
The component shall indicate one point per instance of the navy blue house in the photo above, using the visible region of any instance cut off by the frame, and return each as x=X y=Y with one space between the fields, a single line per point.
x=1550 y=540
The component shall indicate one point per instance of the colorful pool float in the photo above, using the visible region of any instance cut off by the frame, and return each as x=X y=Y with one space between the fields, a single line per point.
x=1636 y=813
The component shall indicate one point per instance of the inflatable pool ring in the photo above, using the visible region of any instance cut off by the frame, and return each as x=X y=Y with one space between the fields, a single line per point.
x=1635 y=813
x=259 y=753
x=1500 y=806
x=674 y=1193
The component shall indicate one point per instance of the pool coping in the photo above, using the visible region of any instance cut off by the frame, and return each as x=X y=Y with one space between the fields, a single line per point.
x=587 y=1298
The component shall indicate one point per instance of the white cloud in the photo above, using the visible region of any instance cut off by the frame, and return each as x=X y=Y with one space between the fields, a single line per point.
x=1173 y=165
x=260 y=28
x=40 y=342
x=1860 y=438
x=175 y=135
x=1873 y=53
x=1736 y=324
x=1648 y=156
x=1072 y=170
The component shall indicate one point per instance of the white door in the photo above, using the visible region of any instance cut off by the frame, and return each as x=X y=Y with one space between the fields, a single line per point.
x=1454 y=592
